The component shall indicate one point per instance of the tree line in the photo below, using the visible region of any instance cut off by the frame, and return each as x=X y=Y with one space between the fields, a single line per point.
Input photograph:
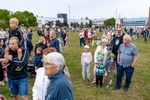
x=25 y=18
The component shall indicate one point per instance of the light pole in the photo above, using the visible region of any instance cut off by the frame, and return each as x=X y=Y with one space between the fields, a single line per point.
x=69 y=11
x=116 y=20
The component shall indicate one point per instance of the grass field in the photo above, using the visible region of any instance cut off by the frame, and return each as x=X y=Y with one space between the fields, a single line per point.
x=139 y=88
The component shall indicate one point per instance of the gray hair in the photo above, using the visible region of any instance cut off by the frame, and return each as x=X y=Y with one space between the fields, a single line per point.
x=105 y=40
x=58 y=60
x=127 y=37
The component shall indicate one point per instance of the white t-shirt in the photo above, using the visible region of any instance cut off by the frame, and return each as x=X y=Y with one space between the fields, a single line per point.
x=2 y=34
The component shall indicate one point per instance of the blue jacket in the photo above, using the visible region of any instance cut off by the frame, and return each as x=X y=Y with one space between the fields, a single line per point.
x=60 y=88
x=12 y=73
x=55 y=43
x=38 y=63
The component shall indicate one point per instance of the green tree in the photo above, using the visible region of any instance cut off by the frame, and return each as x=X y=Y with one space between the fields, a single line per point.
x=3 y=24
x=65 y=23
x=110 y=21
x=21 y=17
x=5 y=16
x=90 y=23
x=59 y=23
x=30 y=18
x=86 y=17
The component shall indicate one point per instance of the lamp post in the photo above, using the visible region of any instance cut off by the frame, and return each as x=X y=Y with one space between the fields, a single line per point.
x=69 y=11
x=116 y=20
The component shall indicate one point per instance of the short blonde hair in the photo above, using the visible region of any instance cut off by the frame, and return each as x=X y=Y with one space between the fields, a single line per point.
x=15 y=20
x=43 y=39
x=15 y=38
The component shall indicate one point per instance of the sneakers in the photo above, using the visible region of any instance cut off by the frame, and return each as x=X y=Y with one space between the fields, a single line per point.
x=116 y=88
x=100 y=87
x=94 y=82
x=108 y=86
x=2 y=83
x=95 y=86
x=6 y=65
x=89 y=80
x=125 y=89
x=19 y=68
x=83 y=80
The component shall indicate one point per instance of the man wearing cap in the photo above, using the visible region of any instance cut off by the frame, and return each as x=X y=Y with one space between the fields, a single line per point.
x=127 y=58
x=116 y=42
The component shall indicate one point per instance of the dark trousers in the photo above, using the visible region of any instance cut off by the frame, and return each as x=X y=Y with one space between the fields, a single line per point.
x=117 y=65
x=82 y=41
x=64 y=42
x=1 y=73
x=129 y=72
x=99 y=78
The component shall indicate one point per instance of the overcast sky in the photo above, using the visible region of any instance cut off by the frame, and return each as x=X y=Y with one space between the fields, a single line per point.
x=81 y=8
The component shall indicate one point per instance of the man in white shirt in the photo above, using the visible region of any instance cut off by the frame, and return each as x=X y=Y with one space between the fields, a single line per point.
x=2 y=34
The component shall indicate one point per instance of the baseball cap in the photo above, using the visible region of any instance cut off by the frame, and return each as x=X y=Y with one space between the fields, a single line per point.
x=100 y=59
x=86 y=46
x=109 y=48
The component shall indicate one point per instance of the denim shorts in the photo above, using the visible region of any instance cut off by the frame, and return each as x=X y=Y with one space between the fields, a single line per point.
x=19 y=86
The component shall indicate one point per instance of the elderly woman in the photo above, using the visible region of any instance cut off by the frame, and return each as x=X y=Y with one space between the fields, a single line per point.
x=100 y=51
x=41 y=82
x=60 y=87
x=41 y=43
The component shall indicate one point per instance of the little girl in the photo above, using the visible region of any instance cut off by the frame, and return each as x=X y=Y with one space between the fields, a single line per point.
x=86 y=59
x=66 y=39
x=38 y=57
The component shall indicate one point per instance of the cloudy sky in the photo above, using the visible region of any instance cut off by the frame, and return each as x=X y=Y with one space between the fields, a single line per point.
x=81 y=8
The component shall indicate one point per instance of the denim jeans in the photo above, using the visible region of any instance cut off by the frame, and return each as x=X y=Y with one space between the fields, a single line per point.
x=129 y=72
x=19 y=86
x=117 y=65
x=87 y=69
x=82 y=41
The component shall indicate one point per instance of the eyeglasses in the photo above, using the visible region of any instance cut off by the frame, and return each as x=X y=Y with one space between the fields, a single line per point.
x=46 y=64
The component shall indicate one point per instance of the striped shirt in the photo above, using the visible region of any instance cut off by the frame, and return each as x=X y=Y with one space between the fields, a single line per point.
x=100 y=69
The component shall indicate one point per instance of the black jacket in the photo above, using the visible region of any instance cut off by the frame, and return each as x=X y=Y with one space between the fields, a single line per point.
x=29 y=46
x=43 y=46
x=12 y=73
x=18 y=33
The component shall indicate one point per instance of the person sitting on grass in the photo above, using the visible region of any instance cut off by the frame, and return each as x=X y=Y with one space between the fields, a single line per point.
x=100 y=69
x=14 y=31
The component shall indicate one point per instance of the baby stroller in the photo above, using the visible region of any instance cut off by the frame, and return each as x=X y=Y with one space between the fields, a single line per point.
x=30 y=68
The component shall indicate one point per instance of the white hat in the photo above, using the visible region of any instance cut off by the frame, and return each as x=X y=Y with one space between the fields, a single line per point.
x=86 y=46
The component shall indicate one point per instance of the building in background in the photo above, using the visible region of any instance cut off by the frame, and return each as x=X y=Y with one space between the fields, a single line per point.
x=135 y=21
x=98 y=22
x=44 y=20
x=78 y=22
x=149 y=19
x=62 y=15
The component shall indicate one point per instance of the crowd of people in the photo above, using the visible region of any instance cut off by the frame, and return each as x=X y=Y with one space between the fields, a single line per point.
x=49 y=63
x=114 y=51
